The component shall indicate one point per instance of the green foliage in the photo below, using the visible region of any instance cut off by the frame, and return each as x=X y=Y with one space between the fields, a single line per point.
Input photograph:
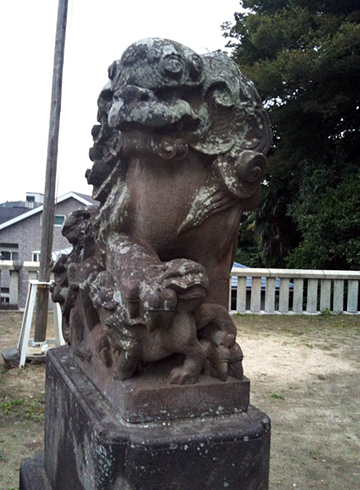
x=277 y=396
x=326 y=312
x=32 y=409
x=304 y=58
x=330 y=224
x=9 y=405
x=248 y=250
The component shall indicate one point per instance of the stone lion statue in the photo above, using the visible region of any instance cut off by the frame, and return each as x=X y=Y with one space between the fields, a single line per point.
x=178 y=156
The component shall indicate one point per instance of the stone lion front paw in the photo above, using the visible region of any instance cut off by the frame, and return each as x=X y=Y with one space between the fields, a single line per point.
x=183 y=376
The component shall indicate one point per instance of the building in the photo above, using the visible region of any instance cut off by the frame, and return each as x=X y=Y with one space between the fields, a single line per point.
x=12 y=209
x=20 y=235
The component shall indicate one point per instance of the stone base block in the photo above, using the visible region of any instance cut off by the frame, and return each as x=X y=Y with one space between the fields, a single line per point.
x=32 y=474
x=89 y=447
x=149 y=396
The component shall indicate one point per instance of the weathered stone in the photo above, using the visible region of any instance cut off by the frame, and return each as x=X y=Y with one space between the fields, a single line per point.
x=32 y=474
x=11 y=357
x=150 y=393
x=148 y=396
x=88 y=447
x=178 y=156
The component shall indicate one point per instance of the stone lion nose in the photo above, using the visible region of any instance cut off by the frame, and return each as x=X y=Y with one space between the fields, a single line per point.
x=133 y=94
x=124 y=101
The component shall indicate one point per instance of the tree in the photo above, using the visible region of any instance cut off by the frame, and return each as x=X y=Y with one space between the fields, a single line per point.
x=304 y=58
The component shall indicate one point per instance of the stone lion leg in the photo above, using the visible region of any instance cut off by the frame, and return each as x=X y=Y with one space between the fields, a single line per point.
x=126 y=340
x=184 y=339
x=217 y=333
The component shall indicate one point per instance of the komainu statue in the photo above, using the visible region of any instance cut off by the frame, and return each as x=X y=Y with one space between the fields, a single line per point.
x=178 y=156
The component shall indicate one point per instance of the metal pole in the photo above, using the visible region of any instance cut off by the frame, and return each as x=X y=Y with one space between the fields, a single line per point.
x=49 y=194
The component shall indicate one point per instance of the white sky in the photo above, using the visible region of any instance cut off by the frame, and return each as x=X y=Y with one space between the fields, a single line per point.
x=98 y=31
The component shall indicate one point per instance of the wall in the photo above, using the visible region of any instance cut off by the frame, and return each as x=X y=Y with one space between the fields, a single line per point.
x=27 y=234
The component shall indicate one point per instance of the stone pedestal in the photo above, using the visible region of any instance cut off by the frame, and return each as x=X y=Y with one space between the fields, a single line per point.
x=88 y=446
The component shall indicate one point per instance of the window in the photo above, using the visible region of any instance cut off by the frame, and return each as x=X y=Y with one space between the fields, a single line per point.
x=59 y=219
x=9 y=252
x=5 y=295
x=35 y=256
x=30 y=198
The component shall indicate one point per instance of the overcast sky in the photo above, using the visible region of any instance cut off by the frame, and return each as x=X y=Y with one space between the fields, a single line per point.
x=98 y=31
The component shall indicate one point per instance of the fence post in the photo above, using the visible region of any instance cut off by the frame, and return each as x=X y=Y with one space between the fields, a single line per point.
x=298 y=306
x=14 y=287
x=270 y=295
x=338 y=295
x=241 y=295
x=256 y=295
x=352 y=300
x=284 y=295
x=311 y=306
x=325 y=295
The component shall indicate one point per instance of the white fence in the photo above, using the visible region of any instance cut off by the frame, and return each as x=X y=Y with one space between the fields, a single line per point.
x=269 y=291
x=294 y=291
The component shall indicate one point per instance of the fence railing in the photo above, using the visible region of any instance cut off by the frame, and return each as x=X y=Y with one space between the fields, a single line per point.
x=294 y=291
x=269 y=291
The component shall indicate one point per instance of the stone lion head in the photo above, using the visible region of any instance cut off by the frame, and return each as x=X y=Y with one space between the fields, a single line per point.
x=163 y=99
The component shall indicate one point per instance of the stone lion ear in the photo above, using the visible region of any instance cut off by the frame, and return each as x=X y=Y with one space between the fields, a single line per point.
x=195 y=67
x=112 y=70
x=217 y=133
x=258 y=136
x=242 y=175
x=221 y=95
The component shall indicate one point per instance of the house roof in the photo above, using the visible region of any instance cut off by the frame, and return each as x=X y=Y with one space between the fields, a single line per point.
x=83 y=198
x=7 y=214
x=13 y=204
x=87 y=198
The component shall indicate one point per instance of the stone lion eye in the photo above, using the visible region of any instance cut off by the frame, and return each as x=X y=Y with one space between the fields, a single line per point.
x=172 y=66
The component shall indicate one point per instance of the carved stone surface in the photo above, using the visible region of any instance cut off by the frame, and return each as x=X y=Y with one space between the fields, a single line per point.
x=178 y=156
x=150 y=393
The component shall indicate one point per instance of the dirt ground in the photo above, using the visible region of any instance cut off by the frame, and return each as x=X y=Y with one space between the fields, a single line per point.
x=304 y=373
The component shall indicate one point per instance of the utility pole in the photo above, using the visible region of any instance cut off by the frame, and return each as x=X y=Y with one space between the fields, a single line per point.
x=50 y=181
